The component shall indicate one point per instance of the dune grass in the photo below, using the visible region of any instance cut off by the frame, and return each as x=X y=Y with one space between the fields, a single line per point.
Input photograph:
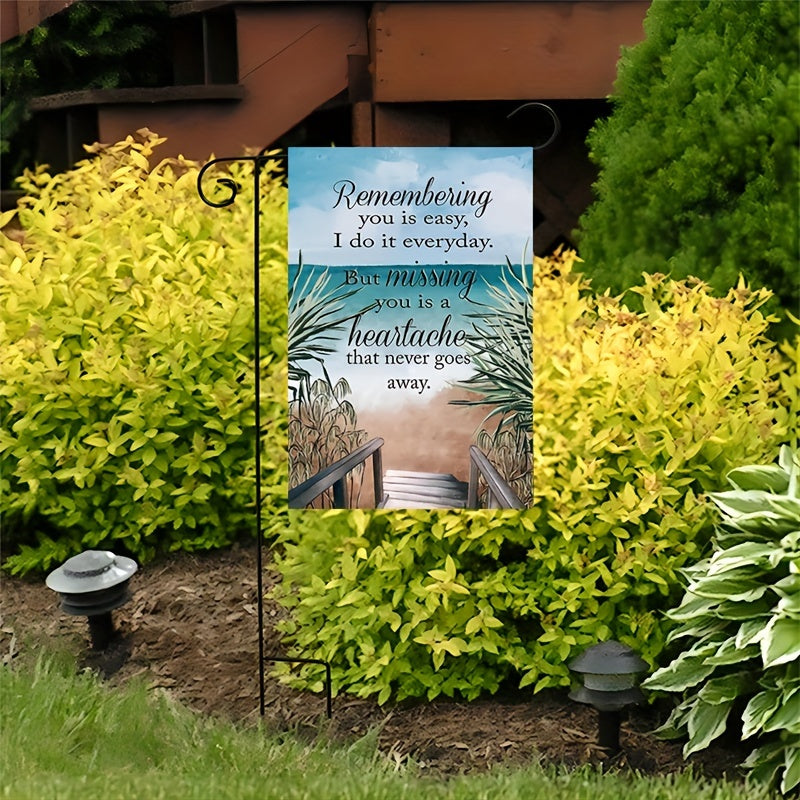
x=66 y=735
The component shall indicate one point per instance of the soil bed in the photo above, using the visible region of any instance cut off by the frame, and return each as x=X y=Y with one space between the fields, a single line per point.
x=191 y=629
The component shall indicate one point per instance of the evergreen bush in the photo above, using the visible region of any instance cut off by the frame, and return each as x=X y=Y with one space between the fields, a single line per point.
x=699 y=158
x=89 y=45
x=636 y=416
x=126 y=380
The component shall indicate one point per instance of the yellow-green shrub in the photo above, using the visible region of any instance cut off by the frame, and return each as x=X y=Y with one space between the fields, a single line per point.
x=126 y=400
x=636 y=416
x=790 y=383
x=126 y=327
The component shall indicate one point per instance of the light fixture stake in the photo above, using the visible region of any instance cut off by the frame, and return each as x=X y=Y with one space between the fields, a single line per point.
x=608 y=673
x=92 y=584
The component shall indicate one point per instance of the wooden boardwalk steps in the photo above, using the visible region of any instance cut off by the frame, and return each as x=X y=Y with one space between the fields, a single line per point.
x=399 y=488
x=406 y=489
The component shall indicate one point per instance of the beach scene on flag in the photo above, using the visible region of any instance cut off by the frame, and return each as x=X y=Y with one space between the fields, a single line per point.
x=410 y=275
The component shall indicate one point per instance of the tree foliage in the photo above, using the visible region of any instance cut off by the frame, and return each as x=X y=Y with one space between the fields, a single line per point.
x=699 y=159
x=90 y=45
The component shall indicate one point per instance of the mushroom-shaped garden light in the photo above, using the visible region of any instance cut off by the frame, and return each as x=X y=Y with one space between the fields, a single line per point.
x=93 y=584
x=608 y=671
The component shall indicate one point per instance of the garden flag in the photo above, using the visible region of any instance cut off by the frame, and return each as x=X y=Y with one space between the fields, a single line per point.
x=409 y=321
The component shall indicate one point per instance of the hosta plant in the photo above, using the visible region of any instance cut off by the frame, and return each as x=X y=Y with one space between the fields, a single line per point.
x=739 y=626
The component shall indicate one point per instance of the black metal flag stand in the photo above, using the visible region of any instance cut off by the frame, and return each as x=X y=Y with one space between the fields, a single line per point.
x=261 y=162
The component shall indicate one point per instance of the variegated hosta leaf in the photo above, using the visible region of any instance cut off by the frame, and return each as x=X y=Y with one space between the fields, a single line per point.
x=741 y=555
x=675 y=726
x=758 y=710
x=772 y=478
x=686 y=671
x=758 y=609
x=791 y=774
x=787 y=716
x=705 y=722
x=738 y=502
x=730 y=653
x=691 y=607
x=751 y=632
x=748 y=589
x=721 y=690
x=704 y=626
x=781 y=641
x=791 y=543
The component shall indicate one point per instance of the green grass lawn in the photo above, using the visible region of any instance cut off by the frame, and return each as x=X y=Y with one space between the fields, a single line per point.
x=67 y=735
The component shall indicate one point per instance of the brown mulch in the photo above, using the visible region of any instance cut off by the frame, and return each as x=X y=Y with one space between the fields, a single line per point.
x=191 y=629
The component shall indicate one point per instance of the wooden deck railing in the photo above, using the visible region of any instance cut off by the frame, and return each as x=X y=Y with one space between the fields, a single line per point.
x=336 y=474
x=498 y=493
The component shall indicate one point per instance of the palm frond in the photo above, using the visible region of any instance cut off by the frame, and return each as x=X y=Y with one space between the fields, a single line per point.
x=317 y=318
x=501 y=351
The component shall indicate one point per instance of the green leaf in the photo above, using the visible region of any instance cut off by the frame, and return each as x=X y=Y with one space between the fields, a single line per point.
x=744 y=610
x=791 y=775
x=351 y=597
x=771 y=478
x=738 y=503
x=474 y=624
x=726 y=688
x=699 y=630
x=730 y=653
x=742 y=588
x=787 y=507
x=767 y=523
x=529 y=677
x=765 y=763
x=786 y=716
x=781 y=641
x=384 y=695
x=691 y=606
x=740 y=555
x=758 y=710
x=790 y=606
x=674 y=727
x=751 y=632
x=788 y=586
x=705 y=722
x=349 y=568
x=685 y=671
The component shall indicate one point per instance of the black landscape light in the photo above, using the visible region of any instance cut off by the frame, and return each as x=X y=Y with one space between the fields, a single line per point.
x=608 y=671
x=92 y=584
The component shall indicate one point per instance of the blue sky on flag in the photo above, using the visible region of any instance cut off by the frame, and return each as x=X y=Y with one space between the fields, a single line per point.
x=475 y=205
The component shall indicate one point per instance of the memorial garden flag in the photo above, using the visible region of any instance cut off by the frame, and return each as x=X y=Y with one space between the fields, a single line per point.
x=410 y=320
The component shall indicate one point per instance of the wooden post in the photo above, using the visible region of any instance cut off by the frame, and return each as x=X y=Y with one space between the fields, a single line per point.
x=377 y=476
x=339 y=498
x=472 y=491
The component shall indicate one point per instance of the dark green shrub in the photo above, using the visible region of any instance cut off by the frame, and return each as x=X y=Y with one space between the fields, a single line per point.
x=739 y=626
x=699 y=159
x=126 y=390
x=89 y=45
